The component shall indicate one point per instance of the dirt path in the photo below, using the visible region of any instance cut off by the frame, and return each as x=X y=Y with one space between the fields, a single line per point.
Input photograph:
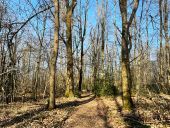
x=89 y=115
x=87 y=112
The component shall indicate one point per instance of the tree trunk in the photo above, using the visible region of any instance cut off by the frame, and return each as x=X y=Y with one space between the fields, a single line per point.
x=54 y=57
x=160 y=54
x=126 y=80
x=69 y=92
x=126 y=47
x=103 y=44
x=36 y=81
x=167 y=48
x=81 y=69
x=82 y=33
x=69 y=82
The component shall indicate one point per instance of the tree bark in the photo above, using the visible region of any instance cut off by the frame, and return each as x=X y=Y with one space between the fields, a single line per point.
x=103 y=25
x=82 y=33
x=54 y=57
x=69 y=92
x=160 y=54
x=125 y=51
x=81 y=68
x=167 y=48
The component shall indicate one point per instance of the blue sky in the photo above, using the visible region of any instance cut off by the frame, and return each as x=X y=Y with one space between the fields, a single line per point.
x=20 y=6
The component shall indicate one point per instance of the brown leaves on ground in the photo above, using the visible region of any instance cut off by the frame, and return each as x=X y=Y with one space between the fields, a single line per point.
x=155 y=110
x=34 y=115
x=88 y=112
x=150 y=112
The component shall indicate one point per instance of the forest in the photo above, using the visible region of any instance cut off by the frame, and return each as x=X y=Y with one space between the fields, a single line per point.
x=84 y=64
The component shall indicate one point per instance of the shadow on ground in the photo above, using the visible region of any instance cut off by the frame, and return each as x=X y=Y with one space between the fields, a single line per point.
x=31 y=114
x=75 y=103
x=84 y=96
x=132 y=120
x=102 y=112
x=21 y=118
x=158 y=108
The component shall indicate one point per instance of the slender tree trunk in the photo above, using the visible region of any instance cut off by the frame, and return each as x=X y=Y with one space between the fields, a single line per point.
x=54 y=57
x=81 y=68
x=115 y=49
x=82 y=33
x=36 y=81
x=167 y=48
x=95 y=69
x=160 y=54
x=103 y=44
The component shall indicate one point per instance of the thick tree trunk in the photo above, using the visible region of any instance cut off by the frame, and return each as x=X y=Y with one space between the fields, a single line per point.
x=69 y=92
x=69 y=82
x=54 y=57
x=126 y=80
x=126 y=47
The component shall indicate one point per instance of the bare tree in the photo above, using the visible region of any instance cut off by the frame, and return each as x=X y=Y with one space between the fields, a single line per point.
x=126 y=47
x=82 y=33
x=54 y=56
x=70 y=80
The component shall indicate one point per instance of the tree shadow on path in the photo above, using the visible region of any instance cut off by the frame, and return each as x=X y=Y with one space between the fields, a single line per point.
x=21 y=118
x=132 y=120
x=31 y=114
x=75 y=103
x=102 y=112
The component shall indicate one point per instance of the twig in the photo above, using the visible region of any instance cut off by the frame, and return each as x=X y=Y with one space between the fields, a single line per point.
x=8 y=71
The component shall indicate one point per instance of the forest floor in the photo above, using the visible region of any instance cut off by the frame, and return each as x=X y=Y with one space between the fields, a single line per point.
x=88 y=112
